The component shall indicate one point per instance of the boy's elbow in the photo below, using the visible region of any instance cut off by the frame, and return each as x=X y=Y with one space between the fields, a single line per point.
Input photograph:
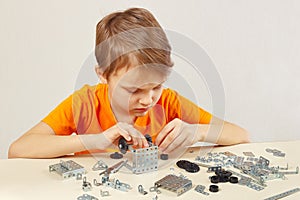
x=245 y=137
x=14 y=151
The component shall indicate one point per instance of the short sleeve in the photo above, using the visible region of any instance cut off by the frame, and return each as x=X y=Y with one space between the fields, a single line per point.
x=61 y=119
x=180 y=107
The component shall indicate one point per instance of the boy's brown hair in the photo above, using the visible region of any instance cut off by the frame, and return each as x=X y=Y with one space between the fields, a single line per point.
x=133 y=32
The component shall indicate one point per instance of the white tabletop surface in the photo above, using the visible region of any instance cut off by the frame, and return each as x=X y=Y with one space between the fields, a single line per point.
x=31 y=179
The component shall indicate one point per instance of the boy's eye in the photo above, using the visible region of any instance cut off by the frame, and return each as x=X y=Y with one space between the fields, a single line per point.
x=157 y=87
x=132 y=91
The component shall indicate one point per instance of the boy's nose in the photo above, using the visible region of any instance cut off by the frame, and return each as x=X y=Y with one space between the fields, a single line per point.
x=147 y=99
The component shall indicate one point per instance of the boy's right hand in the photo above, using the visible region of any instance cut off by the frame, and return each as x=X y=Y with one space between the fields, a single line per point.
x=128 y=132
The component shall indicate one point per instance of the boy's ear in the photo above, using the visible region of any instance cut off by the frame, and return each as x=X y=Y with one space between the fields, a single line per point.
x=100 y=74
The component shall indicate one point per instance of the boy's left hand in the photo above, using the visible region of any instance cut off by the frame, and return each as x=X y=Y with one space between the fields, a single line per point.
x=177 y=134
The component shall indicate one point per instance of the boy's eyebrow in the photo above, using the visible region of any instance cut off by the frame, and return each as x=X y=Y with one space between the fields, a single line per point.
x=135 y=87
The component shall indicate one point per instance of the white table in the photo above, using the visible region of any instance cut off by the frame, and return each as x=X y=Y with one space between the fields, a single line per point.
x=31 y=179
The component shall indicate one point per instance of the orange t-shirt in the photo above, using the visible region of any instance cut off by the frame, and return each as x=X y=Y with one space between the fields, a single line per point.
x=88 y=111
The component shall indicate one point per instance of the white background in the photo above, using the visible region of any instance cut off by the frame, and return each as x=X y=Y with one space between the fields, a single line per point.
x=255 y=46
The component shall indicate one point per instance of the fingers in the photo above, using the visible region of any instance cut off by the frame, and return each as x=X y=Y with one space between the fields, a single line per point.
x=137 y=138
x=165 y=131
x=170 y=138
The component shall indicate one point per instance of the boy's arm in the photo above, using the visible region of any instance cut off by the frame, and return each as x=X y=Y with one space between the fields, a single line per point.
x=178 y=134
x=222 y=132
x=41 y=142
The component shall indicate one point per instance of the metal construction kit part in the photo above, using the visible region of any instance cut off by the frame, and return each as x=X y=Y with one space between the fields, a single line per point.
x=67 y=169
x=155 y=197
x=173 y=183
x=115 y=168
x=214 y=169
x=116 y=184
x=247 y=181
x=164 y=156
x=284 y=194
x=86 y=197
x=154 y=189
x=249 y=154
x=96 y=183
x=214 y=188
x=104 y=193
x=141 y=190
x=86 y=186
x=79 y=176
x=290 y=172
x=116 y=155
x=200 y=189
x=99 y=165
x=144 y=160
x=275 y=152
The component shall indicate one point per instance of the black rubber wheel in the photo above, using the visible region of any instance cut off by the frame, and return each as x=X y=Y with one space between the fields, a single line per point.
x=148 y=138
x=214 y=179
x=116 y=155
x=182 y=163
x=213 y=188
x=192 y=167
x=164 y=156
x=233 y=179
x=123 y=146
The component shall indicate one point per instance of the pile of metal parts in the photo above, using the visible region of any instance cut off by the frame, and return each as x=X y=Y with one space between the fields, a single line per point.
x=68 y=169
x=254 y=172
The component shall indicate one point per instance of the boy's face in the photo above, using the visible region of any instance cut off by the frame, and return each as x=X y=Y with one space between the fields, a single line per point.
x=133 y=91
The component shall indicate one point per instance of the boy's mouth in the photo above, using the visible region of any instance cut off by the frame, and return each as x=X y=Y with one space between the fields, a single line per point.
x=141 y=110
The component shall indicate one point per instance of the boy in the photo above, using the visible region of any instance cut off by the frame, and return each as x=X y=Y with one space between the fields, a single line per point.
x=133 y=56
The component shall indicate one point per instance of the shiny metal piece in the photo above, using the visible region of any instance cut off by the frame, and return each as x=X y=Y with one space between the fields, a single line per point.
x=173 y=183
x=200 y=189
x=284 y=194
x=67 y=169
x=86 y=197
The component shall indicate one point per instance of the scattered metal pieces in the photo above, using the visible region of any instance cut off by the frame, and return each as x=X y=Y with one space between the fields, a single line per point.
x=290 y=172
x=86 y=186
x=115 y=168
x=79 y=176
x=275 y=152
x=99 y=165
x=96 y=183
x=249 y=154
x=104 y=193
x=154 y=189
x=173 y=183
x=86 y=197
x=141 y=190
x=200 y=189
x=284 y=194
x=116 y=184
x=67 y=169
x=214 y=169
